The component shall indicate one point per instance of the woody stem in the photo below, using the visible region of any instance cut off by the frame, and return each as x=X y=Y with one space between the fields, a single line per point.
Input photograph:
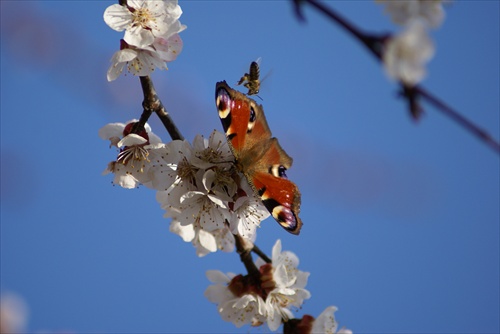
x=152 y=103
x=244 y=248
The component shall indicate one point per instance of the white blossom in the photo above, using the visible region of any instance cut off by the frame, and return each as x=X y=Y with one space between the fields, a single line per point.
x=204 y=194
x=326 y=323
x=145 y=20
x=130 y=169
x=174 y=168
x=247 y=213
x=248 y=308
x=203 y=241
x=213 y=151
x=406 y=54
x=289 y=287
x=143 y=61
x=403 y=12
x=269 y=298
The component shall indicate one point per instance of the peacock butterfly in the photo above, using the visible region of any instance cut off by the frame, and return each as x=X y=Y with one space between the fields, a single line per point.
x=258 y=155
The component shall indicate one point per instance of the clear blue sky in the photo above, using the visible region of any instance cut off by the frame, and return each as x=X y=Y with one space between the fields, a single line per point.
x=401 y=219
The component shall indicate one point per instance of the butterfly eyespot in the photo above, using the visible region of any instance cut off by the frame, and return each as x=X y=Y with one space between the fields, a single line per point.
x=251 y=120
x=223 y=101
x=252 y=115
x=281 y=171
x=258 y=155
x=278 y=171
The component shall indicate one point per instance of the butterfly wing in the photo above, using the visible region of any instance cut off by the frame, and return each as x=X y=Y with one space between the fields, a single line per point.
x=234 y=113
x=280 y=196
x=258 y=156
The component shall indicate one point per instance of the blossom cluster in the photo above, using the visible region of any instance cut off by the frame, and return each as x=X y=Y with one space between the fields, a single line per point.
x=151 y=37
x=198 y=185
x=406 y=54
x=268 y=296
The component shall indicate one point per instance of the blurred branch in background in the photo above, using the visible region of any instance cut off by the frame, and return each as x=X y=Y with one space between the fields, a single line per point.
x=379 y=46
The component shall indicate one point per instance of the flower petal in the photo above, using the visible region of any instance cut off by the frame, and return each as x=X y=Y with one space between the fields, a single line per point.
x=117 y=17
x=131 y=140
x=217 y=276
x=207 y=240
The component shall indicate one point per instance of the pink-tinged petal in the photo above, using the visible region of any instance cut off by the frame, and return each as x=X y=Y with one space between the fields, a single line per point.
x=174 y=27
x=169 y=49
x=117 y=17
x=139 y=37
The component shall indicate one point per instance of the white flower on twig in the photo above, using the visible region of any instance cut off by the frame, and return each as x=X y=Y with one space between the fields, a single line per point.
x=403 y=12
x=326 y=323
x=136 y=151
x=206 y=197
x=289 y=286
x=406 y=55
x=266 y=298
x=143 y=61
x=234 y=302
x=145 y=20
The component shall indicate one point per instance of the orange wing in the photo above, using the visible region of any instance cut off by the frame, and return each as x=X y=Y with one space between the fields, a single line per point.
x=258 y=156
x=280 y=195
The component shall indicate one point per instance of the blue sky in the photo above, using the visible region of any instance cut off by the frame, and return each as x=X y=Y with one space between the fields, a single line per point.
x=401 y=219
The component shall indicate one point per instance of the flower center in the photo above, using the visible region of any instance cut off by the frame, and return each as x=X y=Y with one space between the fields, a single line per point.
x=186 y=172
x=133 y=153
x=145 y=18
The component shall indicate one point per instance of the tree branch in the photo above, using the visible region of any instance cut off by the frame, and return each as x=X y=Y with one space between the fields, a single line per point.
x=374 y=44
x=261 y=254
x=152 y=104
x=244 y=248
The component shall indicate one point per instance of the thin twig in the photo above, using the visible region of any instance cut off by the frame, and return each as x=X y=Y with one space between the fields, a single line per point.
x=244 y=248
x=375 y=43
x=448 y=111
x=153 y=103
x=261 y=254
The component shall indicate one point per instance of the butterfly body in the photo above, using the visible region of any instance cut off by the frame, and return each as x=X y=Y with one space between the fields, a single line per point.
x=259 y=156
